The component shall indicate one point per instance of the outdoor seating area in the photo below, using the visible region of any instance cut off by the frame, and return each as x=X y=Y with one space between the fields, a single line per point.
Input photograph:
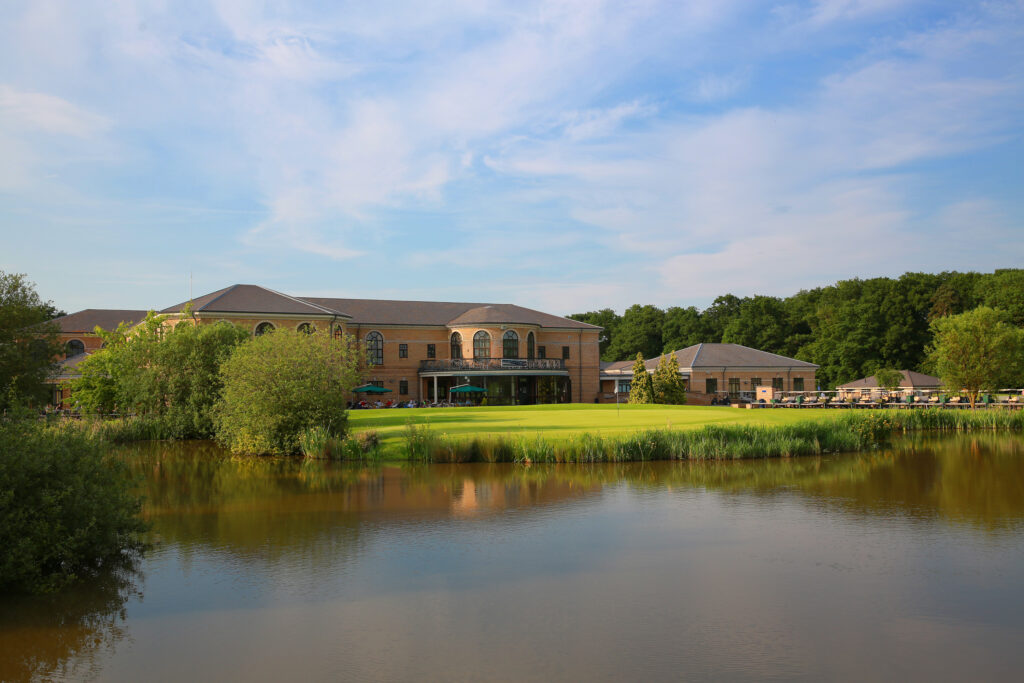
x=466 y=395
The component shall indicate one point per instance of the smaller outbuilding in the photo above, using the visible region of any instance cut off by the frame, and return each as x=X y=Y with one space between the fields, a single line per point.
x=912 y=382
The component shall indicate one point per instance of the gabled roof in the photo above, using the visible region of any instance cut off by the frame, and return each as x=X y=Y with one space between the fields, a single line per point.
x=911 y=380
x=390 y=312
x=253 y=299
x=705 y=356
x=90 y=318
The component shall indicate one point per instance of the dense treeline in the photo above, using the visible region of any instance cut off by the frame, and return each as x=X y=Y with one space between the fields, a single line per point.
x=851 y=328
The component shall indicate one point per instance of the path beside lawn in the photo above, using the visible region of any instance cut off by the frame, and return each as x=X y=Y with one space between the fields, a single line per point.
x=558 y=422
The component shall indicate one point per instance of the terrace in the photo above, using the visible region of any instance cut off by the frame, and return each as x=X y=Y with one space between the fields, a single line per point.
x=490 y=365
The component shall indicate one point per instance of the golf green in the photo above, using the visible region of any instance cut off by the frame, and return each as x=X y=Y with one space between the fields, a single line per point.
x=562 y=421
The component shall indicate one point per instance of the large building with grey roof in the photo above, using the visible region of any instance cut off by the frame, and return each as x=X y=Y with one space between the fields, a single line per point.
x=418 y=350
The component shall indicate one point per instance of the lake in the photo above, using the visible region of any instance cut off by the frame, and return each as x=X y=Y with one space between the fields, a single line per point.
x=904 y=563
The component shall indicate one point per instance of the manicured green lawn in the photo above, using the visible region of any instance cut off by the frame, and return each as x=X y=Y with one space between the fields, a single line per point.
x=561 y=421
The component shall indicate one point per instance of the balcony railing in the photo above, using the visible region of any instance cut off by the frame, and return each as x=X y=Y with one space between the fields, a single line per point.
x=491 y=364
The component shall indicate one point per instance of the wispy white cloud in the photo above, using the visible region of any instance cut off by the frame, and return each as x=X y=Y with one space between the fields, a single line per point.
x=662 y=150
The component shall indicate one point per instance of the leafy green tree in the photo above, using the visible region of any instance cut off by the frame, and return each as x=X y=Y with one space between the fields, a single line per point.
x=669 y=387
x=718 y=315
x=955 y=295
x=1004 y=290
x=888 y=378
x=683 y=327
x=282 y=383
x=639 y=331
x=641 y=389
x=28 y=342
x=155 y=371
x=760 y=323
x=66 y=507
x=977 y=351
x=606 y=318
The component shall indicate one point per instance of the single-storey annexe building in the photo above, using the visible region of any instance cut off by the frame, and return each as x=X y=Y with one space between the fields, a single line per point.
x=717 y=371
x=912 y=382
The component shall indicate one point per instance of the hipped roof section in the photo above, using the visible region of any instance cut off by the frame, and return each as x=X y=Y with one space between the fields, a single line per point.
x=254 y=299
x=717 y=356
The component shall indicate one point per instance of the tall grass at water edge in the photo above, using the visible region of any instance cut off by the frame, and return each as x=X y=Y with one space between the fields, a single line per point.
x=852 y=432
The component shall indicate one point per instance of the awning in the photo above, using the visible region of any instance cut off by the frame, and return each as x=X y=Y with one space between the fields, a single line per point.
x=468 y=389
x=371 y=389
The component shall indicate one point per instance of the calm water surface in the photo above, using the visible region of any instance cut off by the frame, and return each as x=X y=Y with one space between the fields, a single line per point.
x=896 y=565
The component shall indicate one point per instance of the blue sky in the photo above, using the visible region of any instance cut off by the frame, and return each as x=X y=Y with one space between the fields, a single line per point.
x=566 y=156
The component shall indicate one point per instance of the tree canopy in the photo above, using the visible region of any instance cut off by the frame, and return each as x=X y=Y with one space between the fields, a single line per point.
x=977 y=351
x=154 y=370
x=851 y=329
x=28 y=341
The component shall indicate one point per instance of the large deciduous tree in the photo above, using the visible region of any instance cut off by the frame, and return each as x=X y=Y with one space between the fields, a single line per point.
x=28 y=342
x=639 y=331
x=606 y=318
x=977 y=351
x=282 y=383
x=153 y=370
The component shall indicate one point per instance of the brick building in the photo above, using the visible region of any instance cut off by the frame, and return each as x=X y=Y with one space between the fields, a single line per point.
x=717 y=371
x=417 y=349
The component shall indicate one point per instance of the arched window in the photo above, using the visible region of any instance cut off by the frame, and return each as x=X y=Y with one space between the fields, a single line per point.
x=481 y=345
x=456 y=345
x=74 y=347
x=510 y=345
x=375 y=348
x=263 y=328
x=339 y=333
x=531 y=346
x=307 y=328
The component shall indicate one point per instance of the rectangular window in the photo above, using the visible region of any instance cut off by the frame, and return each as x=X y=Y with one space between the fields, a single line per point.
x=377 y=383
x=403 y=387
x=403 y=350
x=755 y=382
x=542 y=352
x=624 y=385
x=565 y=353
x=798 y=384
x=734 y=387
x=431 y=351
x=778 y=384
x=711 y=386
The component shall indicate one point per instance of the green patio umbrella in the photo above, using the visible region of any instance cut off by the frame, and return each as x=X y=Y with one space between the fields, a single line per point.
x=371 y=389
x=468 y=389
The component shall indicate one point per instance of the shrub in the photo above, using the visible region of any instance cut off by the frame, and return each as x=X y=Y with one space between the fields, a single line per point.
x=279 y=384
x=170 y=375
x=66 y=508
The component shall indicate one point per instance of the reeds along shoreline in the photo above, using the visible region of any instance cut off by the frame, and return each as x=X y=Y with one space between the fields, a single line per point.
x=847 y=433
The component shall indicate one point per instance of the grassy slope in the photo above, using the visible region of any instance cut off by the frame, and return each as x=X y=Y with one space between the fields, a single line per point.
x=560 y=421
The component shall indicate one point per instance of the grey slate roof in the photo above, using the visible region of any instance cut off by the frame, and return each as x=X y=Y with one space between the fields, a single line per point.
x=911 y=380
x=253 y=299
x=701 y=356
x=90 y=318
x=390 y=312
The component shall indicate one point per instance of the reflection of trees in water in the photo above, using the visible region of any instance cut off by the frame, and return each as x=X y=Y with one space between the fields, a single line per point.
x=278 y=509
x=65 y=635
